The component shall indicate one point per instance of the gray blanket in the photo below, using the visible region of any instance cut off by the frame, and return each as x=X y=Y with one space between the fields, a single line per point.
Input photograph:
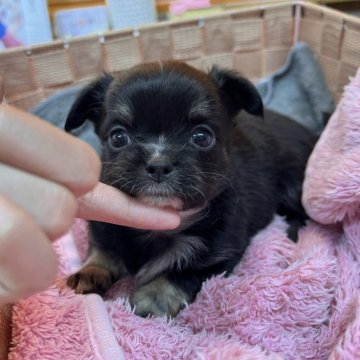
x=297 y=90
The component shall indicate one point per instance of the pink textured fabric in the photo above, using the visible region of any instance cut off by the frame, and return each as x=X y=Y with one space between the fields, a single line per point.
x=283 y=301
x=332 y=188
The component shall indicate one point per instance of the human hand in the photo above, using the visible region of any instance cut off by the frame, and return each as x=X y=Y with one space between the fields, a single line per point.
x=47 y=178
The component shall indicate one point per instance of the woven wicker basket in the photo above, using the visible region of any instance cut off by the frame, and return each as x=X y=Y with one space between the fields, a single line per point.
x=255 y=41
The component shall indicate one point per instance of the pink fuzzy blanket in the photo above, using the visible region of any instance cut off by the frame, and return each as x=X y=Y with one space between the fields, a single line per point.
x=283 y=301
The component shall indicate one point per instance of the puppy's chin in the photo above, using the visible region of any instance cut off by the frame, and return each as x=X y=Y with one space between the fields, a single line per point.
x=162 y=201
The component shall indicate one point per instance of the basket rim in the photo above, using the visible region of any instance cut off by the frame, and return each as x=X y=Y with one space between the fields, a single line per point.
x=298 y=5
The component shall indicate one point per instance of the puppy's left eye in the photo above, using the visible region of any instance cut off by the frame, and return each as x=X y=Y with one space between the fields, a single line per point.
x=203 y=137
x=119 y=138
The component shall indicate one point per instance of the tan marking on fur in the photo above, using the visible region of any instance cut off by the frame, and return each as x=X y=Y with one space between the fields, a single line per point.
x=200 y=109
x=226 y=155
x=124 y=112
x=90 y=279
x=97 y=274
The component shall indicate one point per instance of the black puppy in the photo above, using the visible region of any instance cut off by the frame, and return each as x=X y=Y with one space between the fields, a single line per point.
x=169 y=139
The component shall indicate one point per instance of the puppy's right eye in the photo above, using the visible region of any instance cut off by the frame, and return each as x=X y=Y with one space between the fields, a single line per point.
x=119 y=138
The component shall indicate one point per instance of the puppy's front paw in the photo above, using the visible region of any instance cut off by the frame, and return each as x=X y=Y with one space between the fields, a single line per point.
x=159 y=297
x=90 y=279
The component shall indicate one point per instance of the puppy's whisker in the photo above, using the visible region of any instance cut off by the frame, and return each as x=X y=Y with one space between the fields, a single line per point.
x=216 y=174
x=212 y=173
x=109 y=163
x=133 y=188
x=127 y=180
x=201 y=193
x=115 y=182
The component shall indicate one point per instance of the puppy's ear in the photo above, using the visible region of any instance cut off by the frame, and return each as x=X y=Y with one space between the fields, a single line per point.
x=89 y=105
x=237 y=92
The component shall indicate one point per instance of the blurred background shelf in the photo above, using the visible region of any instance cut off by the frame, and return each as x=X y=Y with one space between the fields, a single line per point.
x=56 y=5
x=163 y=5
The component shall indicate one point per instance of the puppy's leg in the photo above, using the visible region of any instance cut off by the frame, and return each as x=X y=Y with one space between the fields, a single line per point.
x=99 y=272
x=159 y=297
x=166 y=294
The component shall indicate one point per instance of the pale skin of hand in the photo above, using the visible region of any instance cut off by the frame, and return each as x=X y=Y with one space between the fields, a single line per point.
x=47 y=178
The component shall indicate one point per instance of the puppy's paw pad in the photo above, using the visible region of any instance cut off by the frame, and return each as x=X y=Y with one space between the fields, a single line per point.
x=90 y=279
x=158 y=298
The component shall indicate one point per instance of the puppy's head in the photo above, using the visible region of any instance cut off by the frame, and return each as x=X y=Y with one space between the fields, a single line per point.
x=166 y=130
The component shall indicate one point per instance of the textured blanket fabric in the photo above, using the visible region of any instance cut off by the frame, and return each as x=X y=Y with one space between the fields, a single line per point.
x=283 y=301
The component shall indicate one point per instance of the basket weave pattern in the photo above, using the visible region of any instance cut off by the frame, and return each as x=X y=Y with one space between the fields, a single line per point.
x=254 y=42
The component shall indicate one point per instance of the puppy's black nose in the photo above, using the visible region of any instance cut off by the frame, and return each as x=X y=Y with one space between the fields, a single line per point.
x=159 y=170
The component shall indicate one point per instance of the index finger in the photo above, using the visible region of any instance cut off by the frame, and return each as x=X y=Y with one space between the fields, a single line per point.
x=107 y=204
x=33 y=145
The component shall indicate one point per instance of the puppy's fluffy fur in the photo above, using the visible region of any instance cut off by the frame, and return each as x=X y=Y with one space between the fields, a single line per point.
x=172 y=137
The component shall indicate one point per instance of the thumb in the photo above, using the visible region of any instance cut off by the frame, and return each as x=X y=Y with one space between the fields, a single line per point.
x=27 y=261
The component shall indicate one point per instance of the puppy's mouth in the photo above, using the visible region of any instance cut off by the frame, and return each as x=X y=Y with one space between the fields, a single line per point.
x=161 y=196
x=162 y=201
